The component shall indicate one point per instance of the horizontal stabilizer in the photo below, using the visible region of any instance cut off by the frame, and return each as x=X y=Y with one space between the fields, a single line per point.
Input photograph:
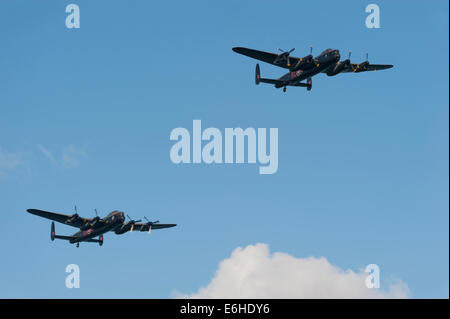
x=259 y=79
x=271 y=81
x=53 y=235
x=299 y=84
x=99 y=240
x=64 y=237
x=93 y=240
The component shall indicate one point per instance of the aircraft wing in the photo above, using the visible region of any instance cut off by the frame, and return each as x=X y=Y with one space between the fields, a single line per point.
x=370 y=67
x=266 y=57
x=145 y=227
x=61 y=218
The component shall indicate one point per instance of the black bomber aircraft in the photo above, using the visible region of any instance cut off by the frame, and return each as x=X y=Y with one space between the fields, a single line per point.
x=93 y=227
x=305 y=68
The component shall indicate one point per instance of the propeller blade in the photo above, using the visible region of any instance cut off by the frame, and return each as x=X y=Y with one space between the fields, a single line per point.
x=149 y=229
x=76 y=209
x=310 y=49
x=132 y=227
x=280 y=50
x=349 y=54
x=367 y=55
x=292 y=50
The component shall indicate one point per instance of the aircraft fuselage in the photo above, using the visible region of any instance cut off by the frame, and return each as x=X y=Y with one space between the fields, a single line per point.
x=320 y=64
x=111 y=222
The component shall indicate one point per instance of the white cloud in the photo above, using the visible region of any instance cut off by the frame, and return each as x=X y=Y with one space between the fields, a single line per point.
x=70 y=157
x=48 y=154
x=252 y=272
x=8 y=162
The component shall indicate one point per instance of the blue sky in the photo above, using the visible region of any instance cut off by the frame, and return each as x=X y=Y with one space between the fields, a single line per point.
x=363 y=158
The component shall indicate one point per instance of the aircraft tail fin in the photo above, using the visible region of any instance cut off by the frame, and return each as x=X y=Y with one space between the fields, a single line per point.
x=309 y=83
x=53 y=236
x=259 y=79
x=257 y=74
x=52 y=232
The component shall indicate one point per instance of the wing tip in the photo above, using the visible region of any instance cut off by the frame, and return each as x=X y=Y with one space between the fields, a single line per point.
x=238 y=49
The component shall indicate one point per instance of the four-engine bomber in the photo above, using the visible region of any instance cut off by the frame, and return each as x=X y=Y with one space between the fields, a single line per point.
x=93 y=227
x=305 y=68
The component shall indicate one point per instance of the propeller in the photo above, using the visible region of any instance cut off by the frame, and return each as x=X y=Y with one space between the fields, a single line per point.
x=150 y=224
x=312 y=58
x=132 y=222
x=347 y=62
x=285 y=55
x=73 y=218
x=290 y=51
x=95 y=219
x=362 y=66
x=308 y=58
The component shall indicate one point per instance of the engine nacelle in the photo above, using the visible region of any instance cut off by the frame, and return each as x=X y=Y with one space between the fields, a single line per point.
x=91 y=224
x=122 y=229
x=361 y=67
x=306 y=59
x=303 y=62
x=73 y=219
x=95 y=220
x=338 y=68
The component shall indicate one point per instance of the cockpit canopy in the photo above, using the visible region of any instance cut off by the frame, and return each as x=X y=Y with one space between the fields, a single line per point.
x=114 y=213
x=326 y=51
